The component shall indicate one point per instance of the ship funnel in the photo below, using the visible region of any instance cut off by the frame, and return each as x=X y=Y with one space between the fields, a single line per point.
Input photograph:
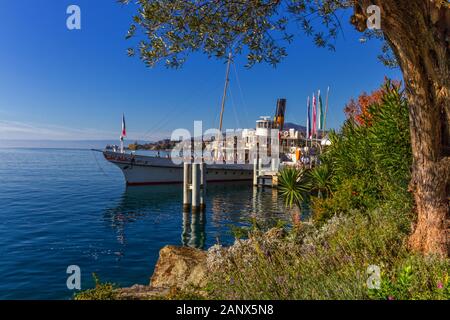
x=279 y=114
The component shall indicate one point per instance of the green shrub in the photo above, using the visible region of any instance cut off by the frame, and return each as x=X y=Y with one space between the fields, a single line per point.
x=294 y=185
x=101 y=291
x=362 y=216
x=416 y=278
x=324 y=263
x=321 y=181
x=370 y=162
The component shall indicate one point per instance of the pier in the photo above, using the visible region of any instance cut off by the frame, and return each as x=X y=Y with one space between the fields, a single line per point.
x=266 y=176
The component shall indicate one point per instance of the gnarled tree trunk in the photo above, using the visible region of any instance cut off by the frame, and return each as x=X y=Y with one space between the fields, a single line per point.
x=418 y=32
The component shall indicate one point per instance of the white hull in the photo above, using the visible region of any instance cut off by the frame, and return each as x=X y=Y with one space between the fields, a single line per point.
x=145 y=170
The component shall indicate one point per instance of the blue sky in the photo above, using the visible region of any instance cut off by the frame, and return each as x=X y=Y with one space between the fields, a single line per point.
x=73 y=85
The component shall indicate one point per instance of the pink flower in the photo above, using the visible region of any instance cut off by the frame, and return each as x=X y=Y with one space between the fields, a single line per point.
x=391 y=298
x=440 y=285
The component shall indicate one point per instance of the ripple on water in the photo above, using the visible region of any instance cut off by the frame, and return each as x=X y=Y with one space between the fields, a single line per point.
x=63 y=207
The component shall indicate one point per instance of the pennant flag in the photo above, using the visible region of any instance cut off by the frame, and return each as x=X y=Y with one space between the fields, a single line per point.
x=124 y=129
x=314 y=121
x=308 y=119
x=326 y=109
x=320 y=116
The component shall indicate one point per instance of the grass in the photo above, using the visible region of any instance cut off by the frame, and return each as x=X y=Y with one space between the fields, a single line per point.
x=331 y=262
x=101 y=291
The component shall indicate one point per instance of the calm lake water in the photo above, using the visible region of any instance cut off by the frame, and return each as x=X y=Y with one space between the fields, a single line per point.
x=61 y=207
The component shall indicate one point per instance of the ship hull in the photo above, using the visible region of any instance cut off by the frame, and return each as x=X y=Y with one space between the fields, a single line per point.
x=145 y=170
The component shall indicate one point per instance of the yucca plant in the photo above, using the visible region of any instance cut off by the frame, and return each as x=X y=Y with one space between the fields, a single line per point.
x=294 y=185
x=321 y=180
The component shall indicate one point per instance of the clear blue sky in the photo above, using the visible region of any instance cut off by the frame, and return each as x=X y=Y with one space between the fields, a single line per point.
x=61 y=84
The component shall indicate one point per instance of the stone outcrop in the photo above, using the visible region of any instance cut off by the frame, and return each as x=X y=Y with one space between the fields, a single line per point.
x=178 y=268
x=186 y=269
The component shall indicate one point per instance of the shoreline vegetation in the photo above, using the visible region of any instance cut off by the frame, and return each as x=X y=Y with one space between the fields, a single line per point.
x=161 y=145
x=362 y=216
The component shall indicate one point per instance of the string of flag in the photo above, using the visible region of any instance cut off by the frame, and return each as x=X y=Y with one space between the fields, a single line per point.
x=318 y=114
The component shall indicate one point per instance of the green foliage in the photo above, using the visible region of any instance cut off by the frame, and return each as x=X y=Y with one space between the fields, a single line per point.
x=417 y=278
x=101 y=291
x=321 y=180
x=171 y=29
x=325 y=263
x=390 y=141
x=294 y=185
x=255 y=225
x=363 y=218
x=370 y=163
x=331 y=262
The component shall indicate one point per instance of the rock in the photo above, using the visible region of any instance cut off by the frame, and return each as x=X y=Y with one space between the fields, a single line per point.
x=141 y=292
x=179 y=267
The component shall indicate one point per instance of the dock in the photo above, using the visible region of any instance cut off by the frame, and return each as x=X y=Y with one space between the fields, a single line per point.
x=266 y=176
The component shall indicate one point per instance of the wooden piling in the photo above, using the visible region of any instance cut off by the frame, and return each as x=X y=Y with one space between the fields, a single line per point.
x=202 y=186
x=195 y=186
x=186 y=187
x=255 y=172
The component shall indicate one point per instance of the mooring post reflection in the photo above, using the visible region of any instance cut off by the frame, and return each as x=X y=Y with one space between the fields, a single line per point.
x=193 y=234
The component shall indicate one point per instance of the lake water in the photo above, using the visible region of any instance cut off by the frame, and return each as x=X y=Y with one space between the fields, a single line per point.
x=61 y=207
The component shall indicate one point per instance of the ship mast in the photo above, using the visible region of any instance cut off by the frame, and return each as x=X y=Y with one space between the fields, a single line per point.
x=227 y=80
x=224 y=96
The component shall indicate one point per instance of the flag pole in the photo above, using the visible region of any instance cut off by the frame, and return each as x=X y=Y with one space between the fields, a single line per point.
x=314 y=125
x=122 y=134
x=326 y=110
x=319 y=124
x=307 y=123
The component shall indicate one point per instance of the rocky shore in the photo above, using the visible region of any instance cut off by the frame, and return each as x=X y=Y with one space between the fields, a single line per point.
x=186 y=269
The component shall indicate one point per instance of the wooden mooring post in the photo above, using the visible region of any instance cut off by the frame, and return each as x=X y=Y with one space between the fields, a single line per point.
x=266 y=177
x=186 y=187
x=194 y=187
x=202 y=186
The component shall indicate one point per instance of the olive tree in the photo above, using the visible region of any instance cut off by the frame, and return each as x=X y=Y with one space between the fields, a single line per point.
x=416 y=35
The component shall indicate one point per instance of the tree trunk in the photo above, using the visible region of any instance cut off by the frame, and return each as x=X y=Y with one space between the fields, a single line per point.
x=418 y=32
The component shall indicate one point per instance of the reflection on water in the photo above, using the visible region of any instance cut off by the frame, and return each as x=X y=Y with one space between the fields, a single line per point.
x=193 y=234
x=227 y=204
x=61 y=207
x=139 y=203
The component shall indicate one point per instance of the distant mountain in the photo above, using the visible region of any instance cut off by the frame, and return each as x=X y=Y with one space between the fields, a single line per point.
x=290 y=125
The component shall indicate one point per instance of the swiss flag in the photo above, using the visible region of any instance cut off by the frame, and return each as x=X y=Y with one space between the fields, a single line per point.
x=124 y=129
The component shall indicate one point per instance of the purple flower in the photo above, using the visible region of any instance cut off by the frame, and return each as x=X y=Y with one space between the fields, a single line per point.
x=440 y=285
x=280 y=280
